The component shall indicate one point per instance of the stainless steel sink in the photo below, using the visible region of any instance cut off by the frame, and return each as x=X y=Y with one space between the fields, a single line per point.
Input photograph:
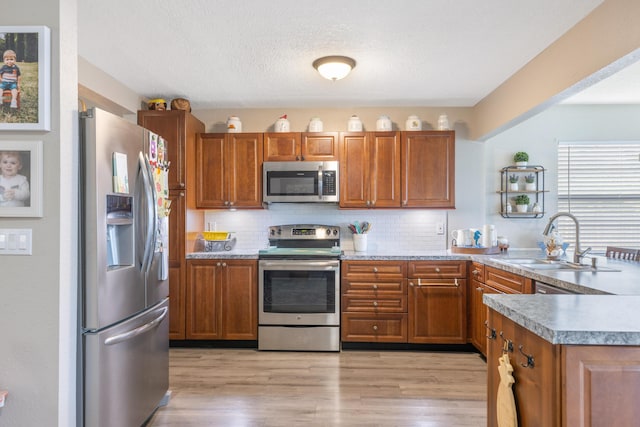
x=548 y=264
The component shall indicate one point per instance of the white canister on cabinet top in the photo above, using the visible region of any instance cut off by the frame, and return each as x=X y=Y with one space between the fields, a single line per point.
x=315 y=124
x=413 y=123
x=383 y=123
x=234 y=124
x=443 y=122
x=354 y=124
x=282 y=125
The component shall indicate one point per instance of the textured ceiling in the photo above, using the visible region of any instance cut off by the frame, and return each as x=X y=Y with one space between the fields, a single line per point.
x=253 y=54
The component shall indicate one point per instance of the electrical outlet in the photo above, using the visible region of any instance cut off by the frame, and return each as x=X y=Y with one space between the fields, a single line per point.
x=15 y=241
x=439 y=228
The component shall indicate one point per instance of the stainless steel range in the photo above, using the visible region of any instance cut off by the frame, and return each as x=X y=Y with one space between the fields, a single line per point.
x=299 y=289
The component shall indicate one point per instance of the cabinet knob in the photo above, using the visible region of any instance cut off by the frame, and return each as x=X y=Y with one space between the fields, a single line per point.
x=375 y=286
x=375 y=269
x=297 y=157
x=224 y=264
x=181 y=194
x=182 y=185
x=226 y=202
x=410 y=283
x=302 y=157
x=375 y=303
x=475 y=272
x=375 y=327
x=479 y=289
x=368 y=202
x=231 y=203
x=218 y=264
x=437 y=270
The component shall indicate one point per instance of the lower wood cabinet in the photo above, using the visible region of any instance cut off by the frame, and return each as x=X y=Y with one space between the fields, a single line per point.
x=222 y=299
x=437 y=302
x=374 y=301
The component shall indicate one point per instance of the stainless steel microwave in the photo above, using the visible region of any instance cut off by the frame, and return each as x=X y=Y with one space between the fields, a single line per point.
x=289 y=182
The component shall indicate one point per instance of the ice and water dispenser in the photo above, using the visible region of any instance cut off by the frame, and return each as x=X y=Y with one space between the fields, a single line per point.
x=120 y=231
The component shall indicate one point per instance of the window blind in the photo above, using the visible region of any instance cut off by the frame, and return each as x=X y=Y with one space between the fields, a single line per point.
x=599 y=183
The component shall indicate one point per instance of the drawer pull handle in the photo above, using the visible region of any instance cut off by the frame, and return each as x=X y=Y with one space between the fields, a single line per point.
x=530 y=361
x=455 y=282
x=375 y=327
x=492 y=332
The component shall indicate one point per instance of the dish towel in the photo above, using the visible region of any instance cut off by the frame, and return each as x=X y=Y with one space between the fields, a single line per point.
x=505 y=402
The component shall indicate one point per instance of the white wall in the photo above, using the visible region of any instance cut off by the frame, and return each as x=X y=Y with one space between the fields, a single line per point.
x=37 y=293
x=539 y=137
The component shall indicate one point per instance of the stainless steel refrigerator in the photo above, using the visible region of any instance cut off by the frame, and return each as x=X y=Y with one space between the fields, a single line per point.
x=124 y=336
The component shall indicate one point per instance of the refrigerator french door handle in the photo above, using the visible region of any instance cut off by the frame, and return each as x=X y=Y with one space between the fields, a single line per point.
x=139 y=330
x=148 y=193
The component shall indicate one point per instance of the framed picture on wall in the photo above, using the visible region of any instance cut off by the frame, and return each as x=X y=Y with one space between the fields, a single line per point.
x=25 y=75
x=21 y=178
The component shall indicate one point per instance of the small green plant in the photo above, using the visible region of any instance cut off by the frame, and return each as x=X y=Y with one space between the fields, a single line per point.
x=530 y=179
x=513 y=178
x=522 y=199
x=521 y=156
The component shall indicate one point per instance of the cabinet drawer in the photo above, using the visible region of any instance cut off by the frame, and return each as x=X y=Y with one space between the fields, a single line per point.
x=373 y=270
x=477 y=271
x=374 y=303
x=437 y=269
x=506 y=281
x=374 y=327
x=380 y=288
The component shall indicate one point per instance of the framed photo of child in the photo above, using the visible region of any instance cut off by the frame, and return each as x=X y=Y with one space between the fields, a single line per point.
x=21 y=178
x=25 y=75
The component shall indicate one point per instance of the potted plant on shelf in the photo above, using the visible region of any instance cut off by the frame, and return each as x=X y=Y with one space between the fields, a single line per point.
x=522 y=203
x=513 y=182
x=521 y=158
x=530 y=182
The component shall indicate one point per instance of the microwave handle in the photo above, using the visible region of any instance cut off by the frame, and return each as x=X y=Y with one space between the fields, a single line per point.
x=320 y=183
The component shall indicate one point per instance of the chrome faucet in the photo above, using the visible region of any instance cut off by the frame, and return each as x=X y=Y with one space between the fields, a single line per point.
x=578 y=255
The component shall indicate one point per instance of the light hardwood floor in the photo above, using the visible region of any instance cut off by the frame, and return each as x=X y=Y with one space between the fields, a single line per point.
x=231 y=387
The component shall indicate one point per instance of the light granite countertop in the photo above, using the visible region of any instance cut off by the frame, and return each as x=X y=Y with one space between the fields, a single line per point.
x=574 y=319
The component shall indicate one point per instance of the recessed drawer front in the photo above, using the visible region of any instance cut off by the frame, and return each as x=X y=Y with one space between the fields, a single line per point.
x=506 y=281
x=391 y=288
x=371 y=303
x=477 y=272
x=437 y=269
x=373 y=270
x=374 y=327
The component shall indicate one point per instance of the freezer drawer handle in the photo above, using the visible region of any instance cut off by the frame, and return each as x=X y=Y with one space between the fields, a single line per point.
x=137 y=331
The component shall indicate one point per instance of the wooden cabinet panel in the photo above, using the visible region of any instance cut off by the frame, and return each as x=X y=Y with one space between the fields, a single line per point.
x=176 y=264
x=229 y=170
x=179 y=128
x=437 y=269
x=437 y=311
x=222 y=298
x=372 y=327
x=369 y=169
x=507 y=282
x=203 y=298
x=428 y=169
x=602 y=385
x=239 y=300
x=319 y=146
x=282 y=146
x=478 y=329
x=176 y=304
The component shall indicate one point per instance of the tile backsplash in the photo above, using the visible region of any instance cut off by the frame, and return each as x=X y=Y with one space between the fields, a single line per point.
x=407 y=229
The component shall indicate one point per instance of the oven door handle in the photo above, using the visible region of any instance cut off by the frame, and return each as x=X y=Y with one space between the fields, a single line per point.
x=300 y=265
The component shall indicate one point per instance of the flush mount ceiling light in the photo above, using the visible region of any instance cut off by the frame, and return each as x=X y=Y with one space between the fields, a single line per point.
x=334 y=67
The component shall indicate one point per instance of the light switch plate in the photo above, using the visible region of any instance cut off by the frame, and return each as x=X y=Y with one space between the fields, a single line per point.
x=15 y=241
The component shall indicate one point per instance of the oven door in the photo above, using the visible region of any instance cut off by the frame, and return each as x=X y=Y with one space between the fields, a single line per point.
x=299 y=292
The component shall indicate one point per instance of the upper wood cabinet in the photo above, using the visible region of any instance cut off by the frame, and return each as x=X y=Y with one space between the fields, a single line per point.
x=177 y=127
x=428 y=169
x=295 y=146
x=229 y=170
x=370 y=169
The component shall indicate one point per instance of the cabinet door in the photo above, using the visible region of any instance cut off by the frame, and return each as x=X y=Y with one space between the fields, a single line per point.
x=203 y=318
x=244 y=170
x=319 y=146
x=282 y=147
x=354 y=170
x=478 y=315
x=428 y=169
x=437 y=311
x=211 y=160
x=384 y=150
x=176 y=261
x=239 y=299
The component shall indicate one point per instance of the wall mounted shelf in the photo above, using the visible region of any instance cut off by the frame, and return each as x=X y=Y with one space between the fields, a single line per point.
x=534 y=190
